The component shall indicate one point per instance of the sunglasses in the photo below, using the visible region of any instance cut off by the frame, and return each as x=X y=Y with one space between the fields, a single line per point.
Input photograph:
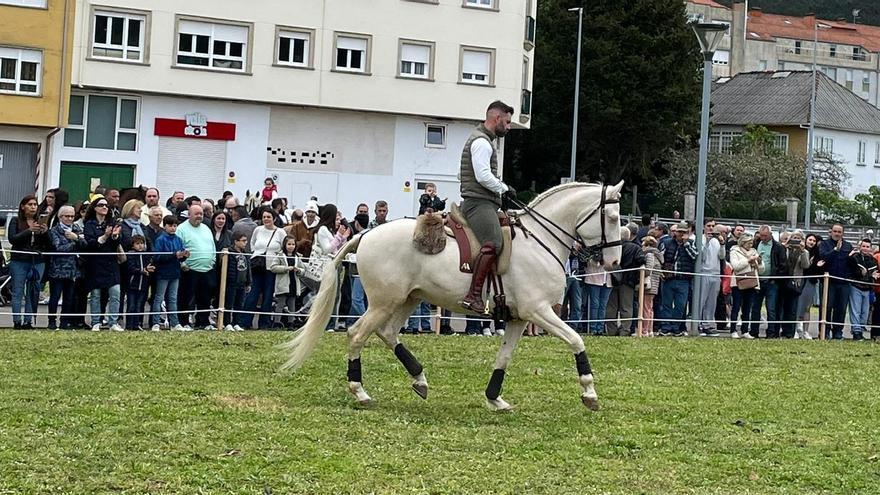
x=101 y=205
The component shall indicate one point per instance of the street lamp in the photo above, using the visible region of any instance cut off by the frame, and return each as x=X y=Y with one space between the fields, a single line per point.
x=808 y=201
x=577 y=91
x=709 y=34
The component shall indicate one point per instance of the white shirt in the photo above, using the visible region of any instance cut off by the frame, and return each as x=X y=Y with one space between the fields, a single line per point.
x=145 y=214
x=481 y=155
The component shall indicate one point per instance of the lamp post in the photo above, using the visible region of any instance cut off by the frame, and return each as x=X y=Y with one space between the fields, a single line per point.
x=577 y=92
x=709 y=34
x=808 y=200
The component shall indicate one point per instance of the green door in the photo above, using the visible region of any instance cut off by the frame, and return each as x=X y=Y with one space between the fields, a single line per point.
x=80 y=179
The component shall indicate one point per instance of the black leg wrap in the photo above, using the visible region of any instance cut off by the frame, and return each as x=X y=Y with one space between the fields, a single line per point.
x=583 y=364
x=493 y=390
x=412 y=365
x=354 y=370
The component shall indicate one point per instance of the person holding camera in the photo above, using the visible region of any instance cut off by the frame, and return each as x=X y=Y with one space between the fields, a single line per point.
x=863 y=270
x=429 y=202
x=797 y=259
x=709 y=275
x=103 y=235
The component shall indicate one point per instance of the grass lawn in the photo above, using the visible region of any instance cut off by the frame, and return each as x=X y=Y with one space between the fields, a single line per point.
x=195 y=413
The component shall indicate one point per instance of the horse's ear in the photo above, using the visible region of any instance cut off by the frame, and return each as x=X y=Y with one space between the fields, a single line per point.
x=617 y=188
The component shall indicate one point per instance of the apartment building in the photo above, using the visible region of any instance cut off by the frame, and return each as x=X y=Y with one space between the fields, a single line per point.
x=344 y=100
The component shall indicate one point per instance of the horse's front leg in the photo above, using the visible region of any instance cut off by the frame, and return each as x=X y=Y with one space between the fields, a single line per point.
x=493 y=391
x=547 y=319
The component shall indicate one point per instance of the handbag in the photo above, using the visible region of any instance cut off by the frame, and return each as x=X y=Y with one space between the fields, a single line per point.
x=258 y=261
x=313 y=272
x=747 y=281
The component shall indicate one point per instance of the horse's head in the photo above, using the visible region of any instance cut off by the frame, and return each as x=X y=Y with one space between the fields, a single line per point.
x=599 y=227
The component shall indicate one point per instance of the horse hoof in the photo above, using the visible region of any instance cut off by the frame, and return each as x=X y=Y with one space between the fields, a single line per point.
x=591 y=401
x=498 y=405
x=366 y=403
x=421 y=389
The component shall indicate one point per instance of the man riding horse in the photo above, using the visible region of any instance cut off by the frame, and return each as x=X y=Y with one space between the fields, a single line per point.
x=482 y=193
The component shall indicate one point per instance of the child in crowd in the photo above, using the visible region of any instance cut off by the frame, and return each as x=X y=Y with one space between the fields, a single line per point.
x=653 y=264
x=238 y=280
x=140 y=268
x=285 y=265
x=167 y=273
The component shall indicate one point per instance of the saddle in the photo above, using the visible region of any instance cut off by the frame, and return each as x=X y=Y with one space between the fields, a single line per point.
x=468 y=246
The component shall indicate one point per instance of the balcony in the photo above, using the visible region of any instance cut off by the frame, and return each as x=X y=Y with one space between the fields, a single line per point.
x=525 y=109
x=531 y=27
x=842 y=56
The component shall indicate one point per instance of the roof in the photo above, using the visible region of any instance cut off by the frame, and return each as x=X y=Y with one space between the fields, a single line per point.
x=783 y=98
x=710 y=3
x=768 y=27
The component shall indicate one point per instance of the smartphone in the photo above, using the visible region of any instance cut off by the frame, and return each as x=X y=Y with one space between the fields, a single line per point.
x=43 y=220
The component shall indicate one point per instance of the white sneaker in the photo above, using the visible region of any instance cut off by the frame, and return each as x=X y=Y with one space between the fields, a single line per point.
x=734 y=334
x=209 y=327
x=96 y=328
x=178 y=328
x=806 y=335
x=487 y=332
x=229 y=328
x=155 y=328
x=187 y=328
x=116 y=328
x=499 y=332
x=238 y=328
x=747 y=336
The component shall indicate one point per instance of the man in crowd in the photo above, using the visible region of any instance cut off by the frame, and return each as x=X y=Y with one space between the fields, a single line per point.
x=242 y=224
x=153 y=228
x=381 y=212
x=647 y=224
x=679 y=255
x=305 y=230
x=151 y=199
x=281 y=220
x=361 y=218
x=175 y=198
x=835 y=252
x=709 y=276
x=621 y=300
x=113 y=206
x=773 y=258
x=197 y=282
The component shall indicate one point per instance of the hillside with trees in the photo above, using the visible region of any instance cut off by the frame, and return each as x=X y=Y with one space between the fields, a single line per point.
x=825 y=9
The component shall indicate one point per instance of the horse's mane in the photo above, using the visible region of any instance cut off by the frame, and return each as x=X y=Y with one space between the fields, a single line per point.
x=555 y=189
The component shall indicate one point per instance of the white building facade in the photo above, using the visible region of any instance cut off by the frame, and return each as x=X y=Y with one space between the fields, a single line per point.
x=345 y=100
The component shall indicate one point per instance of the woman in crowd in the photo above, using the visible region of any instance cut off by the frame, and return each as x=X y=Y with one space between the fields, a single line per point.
x=797 y=260
x=808 y=294
x=102 y=237
x=265 y=242
x=746 y=264
x=331 y=235
x=66 y=238
x=598 y=283
x=222 y=231
x=131 y=222
x=653 y=265
x=285 y=265
x=28 y=236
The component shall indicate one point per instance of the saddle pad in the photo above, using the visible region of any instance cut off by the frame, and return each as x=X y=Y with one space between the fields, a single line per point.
x=468 y=247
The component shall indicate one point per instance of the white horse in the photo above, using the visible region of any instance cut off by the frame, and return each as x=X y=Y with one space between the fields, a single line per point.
x=396 y=277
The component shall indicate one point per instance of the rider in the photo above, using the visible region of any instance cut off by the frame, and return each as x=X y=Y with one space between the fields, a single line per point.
x=482 y=192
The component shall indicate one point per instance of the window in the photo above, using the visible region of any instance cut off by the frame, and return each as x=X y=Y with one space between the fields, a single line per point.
x=849 y=79
x=863 y=150
x=352 y=53
x=877 y=154
x=118 y=36
x=435 y=136
x=858 y=54
x=781 y=65
x=477 y=65
x=762 y=65
x=832 y=51
x=415 y=59
x=797 y=47
x=866 y=83
x=831 y=72
x=41 y=4
x=216 y=46
x=102 y=122
x=780 y=142
x=721 y=57
x=20 y=71
x=526 y=101
x=722 y=141
x=824 y=145
x=531 y=27
x=294 y=48
x=481 y=4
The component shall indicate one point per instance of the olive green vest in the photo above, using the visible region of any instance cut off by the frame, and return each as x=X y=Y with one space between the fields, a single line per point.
x=470 y=188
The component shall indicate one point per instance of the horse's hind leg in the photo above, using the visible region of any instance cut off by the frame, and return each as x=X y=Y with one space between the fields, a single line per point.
x=505 y=353
x=550 y=321
x=375 y=317
x=390 y=334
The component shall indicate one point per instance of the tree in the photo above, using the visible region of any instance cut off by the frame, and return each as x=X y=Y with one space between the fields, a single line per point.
x=640 y=92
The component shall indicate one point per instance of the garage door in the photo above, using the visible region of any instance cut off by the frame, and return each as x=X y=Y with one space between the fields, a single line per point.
x=18 y=163
x=196 y=167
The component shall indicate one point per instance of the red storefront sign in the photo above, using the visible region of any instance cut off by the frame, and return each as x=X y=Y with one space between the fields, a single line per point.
x=194 y=126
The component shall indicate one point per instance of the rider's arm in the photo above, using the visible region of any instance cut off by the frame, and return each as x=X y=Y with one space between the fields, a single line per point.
x=481 y=153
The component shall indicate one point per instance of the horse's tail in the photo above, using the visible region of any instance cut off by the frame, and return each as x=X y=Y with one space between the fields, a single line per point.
x=301 y=346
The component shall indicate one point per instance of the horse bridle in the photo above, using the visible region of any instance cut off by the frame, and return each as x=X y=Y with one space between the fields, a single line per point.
x=587 y=252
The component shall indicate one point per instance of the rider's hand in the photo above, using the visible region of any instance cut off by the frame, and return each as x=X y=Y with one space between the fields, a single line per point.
x=510 y=194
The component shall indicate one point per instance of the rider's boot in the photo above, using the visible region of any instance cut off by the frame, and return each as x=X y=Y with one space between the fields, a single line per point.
x=482 y=266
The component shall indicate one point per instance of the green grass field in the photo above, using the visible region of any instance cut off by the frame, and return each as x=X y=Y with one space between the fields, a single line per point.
x=195 y=413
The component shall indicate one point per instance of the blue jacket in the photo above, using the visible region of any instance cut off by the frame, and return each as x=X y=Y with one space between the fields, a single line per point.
x=137 y=262
x=64 y=267
x=679 y=257
x=167 y=264
x=836 y=260
x=102 y=271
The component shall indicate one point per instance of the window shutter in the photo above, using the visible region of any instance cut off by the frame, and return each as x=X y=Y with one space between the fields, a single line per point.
x=192 y=27
x=475 y=62
x=225 y=32
x=197 y=166
x=415 y=53
x=351 y=43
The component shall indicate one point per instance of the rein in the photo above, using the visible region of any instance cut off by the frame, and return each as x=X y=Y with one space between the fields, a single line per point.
x=588 y=252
